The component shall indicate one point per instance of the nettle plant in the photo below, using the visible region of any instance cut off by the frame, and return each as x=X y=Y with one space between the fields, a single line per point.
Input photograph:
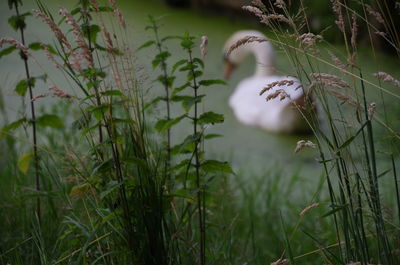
x=155 y=205
x=188 y=170
x=26 y=87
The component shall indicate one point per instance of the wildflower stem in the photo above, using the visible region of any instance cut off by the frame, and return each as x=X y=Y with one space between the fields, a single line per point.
x=166 y=87
x=200 y=192
x=33 y=115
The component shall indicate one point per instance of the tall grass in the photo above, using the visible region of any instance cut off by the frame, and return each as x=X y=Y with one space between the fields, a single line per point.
x=348 y=145
x=122 y=188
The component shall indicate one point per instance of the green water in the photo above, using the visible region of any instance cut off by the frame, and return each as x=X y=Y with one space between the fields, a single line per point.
x=249 y=148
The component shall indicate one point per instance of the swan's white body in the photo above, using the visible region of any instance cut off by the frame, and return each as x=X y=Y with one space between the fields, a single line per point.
x=275 y=115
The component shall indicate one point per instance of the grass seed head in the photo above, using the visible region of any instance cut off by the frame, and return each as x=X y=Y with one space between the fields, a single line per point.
x=303 y=143
x=277 y=83
x=281 y=262
x=39 y=96
x=243 y=41
x=337 y=9
x=16 y=44
x=57 y=92
x=385 y=77
x=371 y=110
x=278 y=17
x=309 y=208
x=280 y=4
x=375 y=14
x=309 y=39
x=338 y=62
x=259 y=4
x=118 y=13
x=53 y=26
x=354 y=31
x=85 y=52
x=281 y=93
x=254 y=10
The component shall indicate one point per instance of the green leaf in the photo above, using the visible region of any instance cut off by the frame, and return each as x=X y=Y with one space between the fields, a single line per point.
x=163 y=55
x=166 y=81
x=187 y=67
x=195 y=74
x=102 y=167
x=187 y=104
x=105 y=9
x=179 y=89
x=90 y=32
x=14 y=125
x=188 y=145
x=17 y=22
x=187 y=101
x=199 y=62
x=335 y=209
x=164 y=125
x=183 y=163
x=50 y=120
x=98 y=111
x=348 y=141
x=210 y=117
x=24 y=162
x=187 y=43
x=7 y=51
x=177 y=64
x=146 y=44
x=170 y=38
x=179 y=98
x=212 y=135
x=214 y=166
x=36 y=46
x=22 y=86
x=75 y=11
x=154 y=101
x=110 y=187
x=211 y=82
x=115 y=93
x=79 y=191
x=384 y=173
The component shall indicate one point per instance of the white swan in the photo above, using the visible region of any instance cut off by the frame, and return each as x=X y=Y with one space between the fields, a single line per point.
x=275 y=115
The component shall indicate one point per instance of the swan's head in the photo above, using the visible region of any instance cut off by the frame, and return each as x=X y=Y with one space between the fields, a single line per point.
x=263 y=51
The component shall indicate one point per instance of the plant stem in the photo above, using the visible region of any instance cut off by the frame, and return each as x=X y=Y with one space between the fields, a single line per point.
x=33 y=115
x=200 y=197
x=166 y=87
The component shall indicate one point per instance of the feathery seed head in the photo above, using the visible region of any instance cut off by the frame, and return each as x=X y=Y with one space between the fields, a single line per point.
x=309 y=207
x=303 y=143
x=16 y=44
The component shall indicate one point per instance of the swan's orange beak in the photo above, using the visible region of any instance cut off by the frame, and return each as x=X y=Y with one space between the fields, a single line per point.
x=229 y=67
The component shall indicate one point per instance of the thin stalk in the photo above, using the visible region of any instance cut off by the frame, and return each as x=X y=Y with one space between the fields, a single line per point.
x=375 y=187
x=396 y=184
x=200 y=197
x=93 y=79
x=166 y=87
x=33 y=115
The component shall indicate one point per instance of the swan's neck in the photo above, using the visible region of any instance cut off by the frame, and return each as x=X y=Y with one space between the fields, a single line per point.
x=265 y=61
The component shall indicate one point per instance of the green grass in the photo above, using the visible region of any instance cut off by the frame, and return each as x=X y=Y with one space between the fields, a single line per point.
x=115 y=199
